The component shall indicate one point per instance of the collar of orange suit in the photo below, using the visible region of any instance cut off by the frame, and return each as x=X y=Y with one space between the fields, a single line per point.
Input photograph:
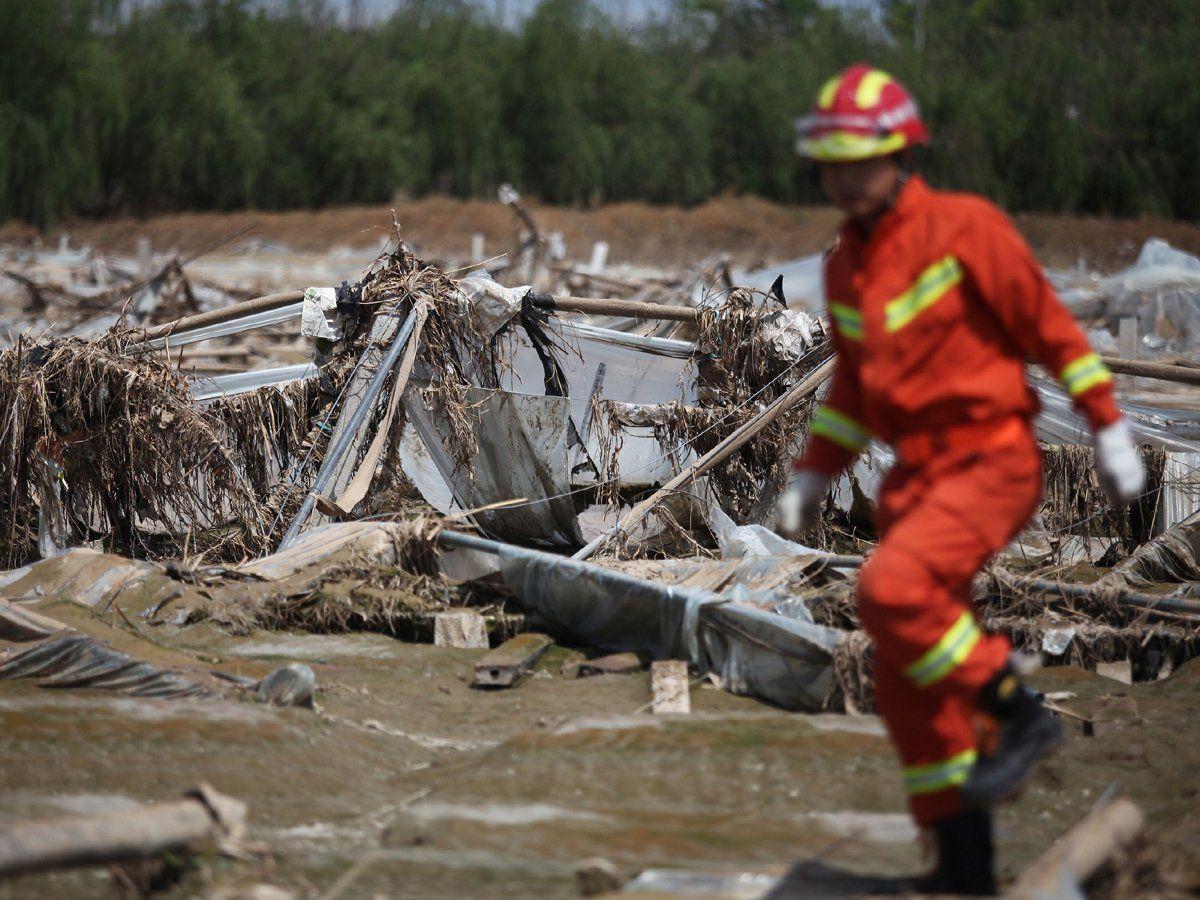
x=911 y=196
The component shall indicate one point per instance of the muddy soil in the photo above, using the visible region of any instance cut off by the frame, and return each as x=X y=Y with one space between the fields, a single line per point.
x=749 y=230
x=427 y=787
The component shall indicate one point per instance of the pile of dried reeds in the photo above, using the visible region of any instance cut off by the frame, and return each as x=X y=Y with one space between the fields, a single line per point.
x=1074 y=502
x=112 y=446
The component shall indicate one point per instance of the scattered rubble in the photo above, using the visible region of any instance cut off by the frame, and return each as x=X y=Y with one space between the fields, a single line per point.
x=521 y=454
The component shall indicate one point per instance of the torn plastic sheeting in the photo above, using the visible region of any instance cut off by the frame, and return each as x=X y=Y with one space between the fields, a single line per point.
x=1162 y=291
x=494 y=304
x=1058 y=423
x=417 y=463
x=524 y=450
x=754 y=652
x=752 y=540
x=631 y=369
x=637 y=369
x=244 y=382
x=318 y=314
x=1172 y=557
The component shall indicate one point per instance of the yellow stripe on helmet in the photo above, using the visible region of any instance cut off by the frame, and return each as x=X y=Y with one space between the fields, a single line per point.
x=870 y=88
x=829 y=92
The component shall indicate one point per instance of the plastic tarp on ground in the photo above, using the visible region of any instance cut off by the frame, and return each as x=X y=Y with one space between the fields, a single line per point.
x=754 y=652
x=1172 y=557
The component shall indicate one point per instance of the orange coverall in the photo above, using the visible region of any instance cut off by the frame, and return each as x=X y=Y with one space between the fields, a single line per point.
x=934 y=315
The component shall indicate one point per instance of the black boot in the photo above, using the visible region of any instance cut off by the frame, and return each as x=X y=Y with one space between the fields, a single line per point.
x=1028 y=732
x=964 y=856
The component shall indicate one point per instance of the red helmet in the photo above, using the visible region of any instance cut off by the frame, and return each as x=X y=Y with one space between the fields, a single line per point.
x=860 y=113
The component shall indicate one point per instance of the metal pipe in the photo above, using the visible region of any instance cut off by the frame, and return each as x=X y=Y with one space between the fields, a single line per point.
x=1161 y=371
x=635 y=309
x=224 y=314
x=334 y=454
x=1131 y=598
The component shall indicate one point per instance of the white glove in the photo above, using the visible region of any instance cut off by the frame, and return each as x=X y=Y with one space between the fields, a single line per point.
x=799 y=504
x=1118 y=464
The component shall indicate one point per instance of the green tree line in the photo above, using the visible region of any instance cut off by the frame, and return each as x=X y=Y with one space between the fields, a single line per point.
x=1061 y=105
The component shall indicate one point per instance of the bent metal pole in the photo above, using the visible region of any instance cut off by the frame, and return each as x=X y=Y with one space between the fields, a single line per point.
x=334 y=454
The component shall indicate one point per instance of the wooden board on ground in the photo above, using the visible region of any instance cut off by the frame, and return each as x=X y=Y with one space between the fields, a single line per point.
x=461 y=628
x=669 y=686
x=505 y=665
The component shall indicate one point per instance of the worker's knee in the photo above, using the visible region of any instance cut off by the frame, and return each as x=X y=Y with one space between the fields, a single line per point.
x=891 y=585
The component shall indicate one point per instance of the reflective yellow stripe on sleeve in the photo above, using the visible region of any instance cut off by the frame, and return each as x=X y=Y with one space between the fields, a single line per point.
x=953 y=647
x=1083 y=374
x=839 y=428
x=847 y=320
x=939 y=775
x=930 y=286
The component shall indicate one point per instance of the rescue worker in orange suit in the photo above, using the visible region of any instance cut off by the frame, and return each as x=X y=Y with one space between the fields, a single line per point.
x=936 y=303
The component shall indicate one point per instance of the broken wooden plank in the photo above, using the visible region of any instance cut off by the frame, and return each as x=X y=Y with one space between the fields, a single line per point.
x=505 y=665
x=462 y=628
x=1076 y=856
x=129 y=834
x=669 y=687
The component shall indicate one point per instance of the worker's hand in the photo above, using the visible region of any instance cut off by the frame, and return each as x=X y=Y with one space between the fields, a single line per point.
x=799 y=504
x=1118 y=464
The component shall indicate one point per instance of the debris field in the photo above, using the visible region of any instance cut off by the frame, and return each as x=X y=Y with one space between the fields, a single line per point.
x=419 y=577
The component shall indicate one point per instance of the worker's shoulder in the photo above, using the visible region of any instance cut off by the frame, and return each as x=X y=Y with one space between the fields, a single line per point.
x=963 y=208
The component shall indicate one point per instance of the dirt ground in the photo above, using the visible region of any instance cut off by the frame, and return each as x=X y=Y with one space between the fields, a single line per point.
x=426 y=787
x=747 y=229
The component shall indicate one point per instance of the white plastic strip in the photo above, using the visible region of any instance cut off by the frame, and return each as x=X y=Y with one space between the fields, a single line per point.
x=242 y=382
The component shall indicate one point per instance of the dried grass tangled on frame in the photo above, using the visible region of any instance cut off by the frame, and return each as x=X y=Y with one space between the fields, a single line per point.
x=451 y=348
x=1074 y=502
x=140 y=465
x=739 y=372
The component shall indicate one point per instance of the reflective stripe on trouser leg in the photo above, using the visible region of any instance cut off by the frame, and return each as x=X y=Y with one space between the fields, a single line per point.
x=948 y=653
x=939 y=776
